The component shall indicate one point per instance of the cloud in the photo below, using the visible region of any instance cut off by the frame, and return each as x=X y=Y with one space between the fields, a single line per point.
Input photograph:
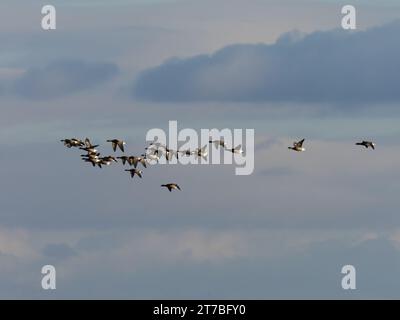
x=62 y=78
x=334 y=66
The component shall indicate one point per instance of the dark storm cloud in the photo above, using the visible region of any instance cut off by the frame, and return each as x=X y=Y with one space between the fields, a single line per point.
x=62 y=78
x=332 y=66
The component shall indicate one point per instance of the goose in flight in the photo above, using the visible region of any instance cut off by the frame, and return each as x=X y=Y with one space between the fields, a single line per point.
x=124 y=159
x=69 y=143
x=153 y=151
x=150 y=157
x=135 y=171
x=201 y=153
x=187 y=152
x=90 y=155
x=169 y=153
x=94 y=161
x=117 y=143
x=171 y=186
x=237 y=150
x=107 y=160
x=88 y=144
x=218 y=143
x=366 y=144
x=89 y=147
x=133 y=161
x=298 y=146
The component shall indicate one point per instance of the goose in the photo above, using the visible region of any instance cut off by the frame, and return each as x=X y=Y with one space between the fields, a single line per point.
x=124 y=159
x=169 y=153
x=201 y=152
x=90 y=156
x=298 y=146
x=117 y=143
x=88 y=144
x=237 y=149
x=366 y=144
x=135 y=171
x=150 y=157
x=91 y=149
x=133 y=161
x=94 y=161
x=171 y=186
x=109 y=159
x=72 y=142
x=218 y=143
x=154 y=152
x=187 y=152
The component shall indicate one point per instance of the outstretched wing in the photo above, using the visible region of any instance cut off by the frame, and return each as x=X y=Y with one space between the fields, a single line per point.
x=300 y=143
x=121 y=146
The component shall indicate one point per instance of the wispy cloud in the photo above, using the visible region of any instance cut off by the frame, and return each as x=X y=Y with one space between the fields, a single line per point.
x=62 y=78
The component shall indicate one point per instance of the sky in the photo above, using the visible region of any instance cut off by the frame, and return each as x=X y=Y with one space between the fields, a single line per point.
x=118 y=69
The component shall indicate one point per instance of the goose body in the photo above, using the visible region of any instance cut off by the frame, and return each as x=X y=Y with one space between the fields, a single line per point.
x=171 y=186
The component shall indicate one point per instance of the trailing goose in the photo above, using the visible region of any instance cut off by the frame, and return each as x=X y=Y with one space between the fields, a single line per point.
x=117 y=143
x=135 y=171
x=366 y=144
x=171 y=186
x=298 y=146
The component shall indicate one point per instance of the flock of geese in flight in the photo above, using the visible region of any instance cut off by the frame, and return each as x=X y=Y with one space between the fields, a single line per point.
x=156 y=150
x=153 y=153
